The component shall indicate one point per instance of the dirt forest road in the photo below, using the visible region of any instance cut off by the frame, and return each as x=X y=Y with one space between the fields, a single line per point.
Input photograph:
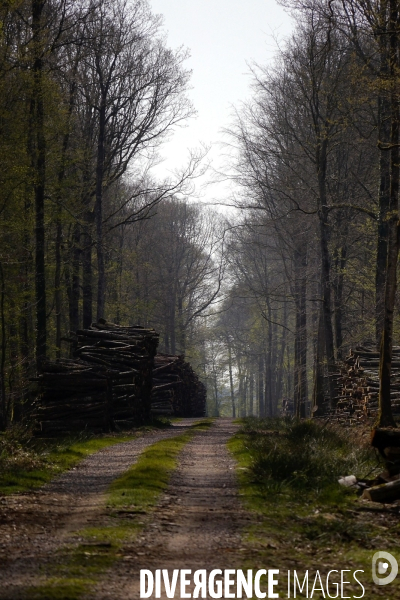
x=196 y=524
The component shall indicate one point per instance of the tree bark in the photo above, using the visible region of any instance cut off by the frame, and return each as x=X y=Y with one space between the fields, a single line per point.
x=268 y=400
x=181 y=326
x=231 y=381
x=59 y=229
x=57 y=284
x=261 y=404
x=98 y=214
x=318 y=391
x=385 y=417
x=172 y=335
x=73 y=282
x=39 y=169
x=251 y=394
x=300 y=346
x=325 y=264
x=384 y=117
x=281 y=358
x=87 y=297
x=338 y=299
x=4 y=404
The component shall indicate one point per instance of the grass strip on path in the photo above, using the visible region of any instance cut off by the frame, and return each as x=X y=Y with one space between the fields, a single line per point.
x=288 y=475
x=76 y=570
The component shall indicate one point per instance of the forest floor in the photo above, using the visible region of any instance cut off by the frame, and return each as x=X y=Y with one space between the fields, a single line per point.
x=194 y=497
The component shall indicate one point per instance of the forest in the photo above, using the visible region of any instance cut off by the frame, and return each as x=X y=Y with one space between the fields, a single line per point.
x=265 y=299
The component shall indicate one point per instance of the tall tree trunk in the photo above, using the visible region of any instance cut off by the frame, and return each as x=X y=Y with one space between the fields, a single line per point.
x=338 y=299
x=57 y=283
x=251 y=394
x=281 y=358
x=39 y=169
x=300 y=353
x=26 y=326
x=4 y=404
x=98 y=215
x=384 y=118
x=274 y=370
x=385 y=417
x=231 y=380
x=261 y=404
x=325 y=264
x=59 y=230
x=172 y=335
x=73 y=282
x=166 y=342
x=268 y=399
x=87 y=275
x=318 y=391
x=244 y=399
x=181 y=327
x=120 y=272
x=216 y=412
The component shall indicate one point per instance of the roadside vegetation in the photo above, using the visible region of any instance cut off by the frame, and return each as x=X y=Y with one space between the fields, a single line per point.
x=27 y=462
x=288 y=473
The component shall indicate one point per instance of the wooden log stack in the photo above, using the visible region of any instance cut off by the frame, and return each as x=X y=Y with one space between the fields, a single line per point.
x=359 y=384
x=72 y=396
x=177 y=389
x=130 y=351
x=108 y=382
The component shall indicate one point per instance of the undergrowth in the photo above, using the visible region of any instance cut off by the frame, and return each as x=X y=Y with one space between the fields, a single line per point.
x=288 y=473
x=27 y=463
x=286 y=454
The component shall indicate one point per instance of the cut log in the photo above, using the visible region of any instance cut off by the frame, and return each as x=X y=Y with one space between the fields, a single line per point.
x=382 y=438
x=387 y=492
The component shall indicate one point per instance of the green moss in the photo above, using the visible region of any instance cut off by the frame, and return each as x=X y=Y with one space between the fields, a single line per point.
x=204 y=423
x=143 y=483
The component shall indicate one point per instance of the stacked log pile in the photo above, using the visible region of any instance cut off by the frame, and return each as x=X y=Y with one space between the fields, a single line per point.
x=359 y=384
x=72 y=396
x=109 y=380
x=130 y=351
x=177 y=389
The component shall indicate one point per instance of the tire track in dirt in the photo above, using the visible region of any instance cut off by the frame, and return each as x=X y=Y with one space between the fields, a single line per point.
x=34 y=525
x=197 y=524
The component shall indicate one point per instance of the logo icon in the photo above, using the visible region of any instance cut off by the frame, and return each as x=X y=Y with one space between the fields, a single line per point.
x=381 y=561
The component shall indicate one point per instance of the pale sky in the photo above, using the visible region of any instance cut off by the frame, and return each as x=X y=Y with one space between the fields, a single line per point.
x=223 y=37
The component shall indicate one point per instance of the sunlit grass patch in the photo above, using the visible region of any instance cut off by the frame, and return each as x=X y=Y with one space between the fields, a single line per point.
x=32 y=466
x=285 y=462
x=288 y=472
x=27 y=463
x=287 y=455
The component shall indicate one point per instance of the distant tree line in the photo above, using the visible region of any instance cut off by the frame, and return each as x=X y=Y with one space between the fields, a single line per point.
x=313 y=255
